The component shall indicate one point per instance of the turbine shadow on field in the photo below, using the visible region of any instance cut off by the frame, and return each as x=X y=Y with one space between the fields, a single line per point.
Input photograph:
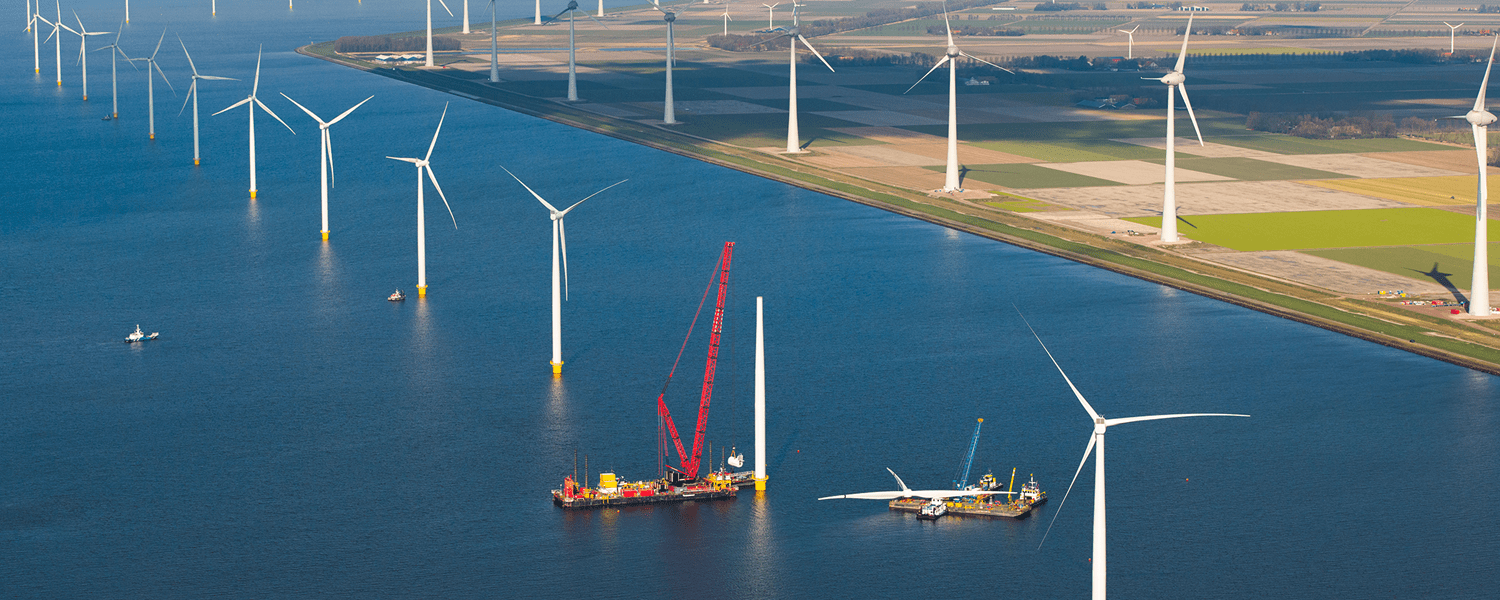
x=1442 y=279
x=1187 y=222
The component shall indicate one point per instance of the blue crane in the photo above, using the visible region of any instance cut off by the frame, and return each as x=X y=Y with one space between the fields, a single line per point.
x=963 y=479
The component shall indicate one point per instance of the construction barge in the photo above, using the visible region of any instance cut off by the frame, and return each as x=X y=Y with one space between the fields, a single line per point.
x=611 y=492
x=1027 y=500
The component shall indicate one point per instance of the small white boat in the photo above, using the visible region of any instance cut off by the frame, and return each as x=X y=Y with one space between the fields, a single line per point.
x=397 y=297
x=139 y=336
x=933 y=510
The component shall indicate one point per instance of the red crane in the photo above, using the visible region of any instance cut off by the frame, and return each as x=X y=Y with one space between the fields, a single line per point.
x=690 y=465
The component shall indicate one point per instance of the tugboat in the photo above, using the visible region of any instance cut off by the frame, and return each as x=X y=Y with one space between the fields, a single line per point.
x=933 y=510
x=397 y=297
x=139 y=336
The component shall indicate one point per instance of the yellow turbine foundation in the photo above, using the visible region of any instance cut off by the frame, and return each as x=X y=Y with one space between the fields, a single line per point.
x=557 y=368
x=760 y=484
x=252 y=194
x=195 y=162
x=325 y=235
x=85 y=98
x=153 y=136
x=421 y=291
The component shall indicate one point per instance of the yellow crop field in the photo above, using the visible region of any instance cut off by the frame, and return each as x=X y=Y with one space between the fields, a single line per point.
x=1423 y=191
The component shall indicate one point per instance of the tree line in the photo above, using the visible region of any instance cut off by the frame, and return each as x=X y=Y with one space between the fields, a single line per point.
x=381 y=43
x=886 y=16
x=976 y=31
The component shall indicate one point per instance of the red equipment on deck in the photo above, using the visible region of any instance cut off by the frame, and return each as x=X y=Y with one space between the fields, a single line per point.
x=690 y=465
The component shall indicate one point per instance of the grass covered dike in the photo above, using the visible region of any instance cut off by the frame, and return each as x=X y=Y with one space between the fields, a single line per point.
x=1429 y=336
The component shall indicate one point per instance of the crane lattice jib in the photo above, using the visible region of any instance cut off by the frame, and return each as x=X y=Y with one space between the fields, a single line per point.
x=691 y=468
x=963 y=480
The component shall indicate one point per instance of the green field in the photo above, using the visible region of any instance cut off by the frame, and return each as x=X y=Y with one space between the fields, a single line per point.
x=1022 y=204
x=1451 y=263
x=1246 y=169
x=1052 y=133
x=1288 y=144
x=1075 y=151
x=1325 y=228
x=1023 y=176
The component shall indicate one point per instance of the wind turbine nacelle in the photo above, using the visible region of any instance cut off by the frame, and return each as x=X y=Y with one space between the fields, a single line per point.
x=670 y=17
x=1482 y=118
x=1173 y=78
x=556 y=216
x=572 y=4
x=953 y=52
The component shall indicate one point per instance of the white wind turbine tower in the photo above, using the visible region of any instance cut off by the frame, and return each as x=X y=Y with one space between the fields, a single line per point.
x=669 y=116
x=1452 y=31
x=1130 y=51
x=429 y=27
x=572 y=47
x=793 y=35
x=771 y=15
x=325 y=155
x=1097 y=440
x=83 y=58
x=151 y=84
x=1175 y=80
x=950 y=181
x=559 y=238
x=423 y=164
x=601 y=8
x=253 y=101
x=36 y=44
x=538 y=13
x=466 y=17
x=193 y=95
x=114 y=80
x=727 y=19
x=494 y=47
x=1479 y=120
x=127 y=10
x=56 y=29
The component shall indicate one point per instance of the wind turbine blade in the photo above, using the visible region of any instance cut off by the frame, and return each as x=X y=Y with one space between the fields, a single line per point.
x=232 y=106
x=163 y=77
x=66 y=28
x=601 y=24
x=128 y=60
x=1113 y=422
x=255 y=88
x=1138 y=26
x=450 y=12
x=346 y=113
x=85 y=30
x=771 y=39
x=217 y=78
x=575 y=204
x=1183 y=88
x=117 y=34
x=814 y=51
x=158 y=43
x=929 y=72
x=1182 y=56
x=328 y=143
x=966 y=54
x=189 y=57
x=192 y=88
x=1092 y=415
x=410 y=160
x=263 y=107
x=435 y=133
x=528 y=188
x=866 y=496
x=1484 y=85
x=898 y=480
x=562 y=234
x=1086 y=452
x=433 y=178
x=947 y=25
x=549 y=20
x=304 y=108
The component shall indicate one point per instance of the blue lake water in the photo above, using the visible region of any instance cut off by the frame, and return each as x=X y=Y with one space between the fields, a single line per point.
x=292 y=434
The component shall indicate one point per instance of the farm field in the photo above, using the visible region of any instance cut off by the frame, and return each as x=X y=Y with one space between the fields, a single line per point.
x=1325 y=229
x=1423 y=191
x=1450 y=263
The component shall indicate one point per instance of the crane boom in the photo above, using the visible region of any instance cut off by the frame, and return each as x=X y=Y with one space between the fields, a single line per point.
x=690 y=465
x=963 y=479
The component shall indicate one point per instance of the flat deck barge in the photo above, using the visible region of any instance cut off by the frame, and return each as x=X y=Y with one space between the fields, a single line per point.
x=612 y=492
x=1003 y=510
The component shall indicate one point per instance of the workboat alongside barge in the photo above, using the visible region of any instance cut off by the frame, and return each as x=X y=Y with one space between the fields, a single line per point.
x=1027 y=500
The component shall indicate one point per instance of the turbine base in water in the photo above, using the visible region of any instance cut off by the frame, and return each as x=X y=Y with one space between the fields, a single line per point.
x=325 y=235
x=195 y=162
x=252 y=194
x=557 y=368
x=760 y=484
x=421 y=291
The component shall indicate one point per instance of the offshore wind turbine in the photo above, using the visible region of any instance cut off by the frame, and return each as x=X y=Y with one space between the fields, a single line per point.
x=1452 y=31
x=951 y=179
x=151 y=84
x=83 y=59
x=325 y=154
x=114 y=80
x=424 y=164
x=572 y=46
x=1175 y=80
x=127 y=10
x=429 y=27
x=669 y=116
x=1479 y=120
x=193 y=95
x=1097 y=440
x=559 y=238
x=1131 y=47
x=56 y=33
x=36 y=44
x=793 y=35
x=253 y=101
x=771 y=14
